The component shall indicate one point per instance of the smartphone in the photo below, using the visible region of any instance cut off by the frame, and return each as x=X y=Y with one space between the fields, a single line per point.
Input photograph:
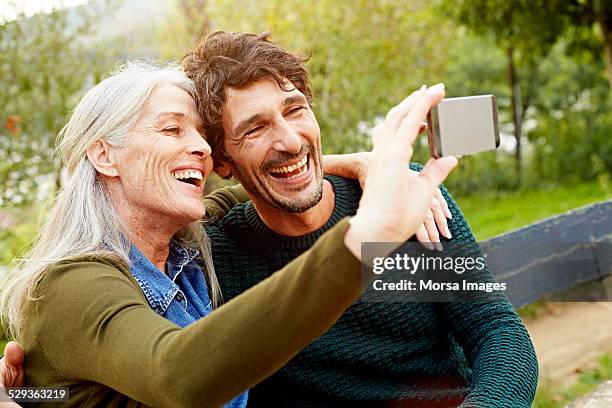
x=465 y=125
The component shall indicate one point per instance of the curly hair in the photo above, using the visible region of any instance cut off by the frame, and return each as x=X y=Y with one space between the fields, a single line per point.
x=225 y=59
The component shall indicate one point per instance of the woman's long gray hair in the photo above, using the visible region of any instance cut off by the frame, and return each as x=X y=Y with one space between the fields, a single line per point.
x=82 y=219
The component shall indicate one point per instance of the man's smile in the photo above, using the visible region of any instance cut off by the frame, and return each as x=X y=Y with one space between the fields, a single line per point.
x=291 y=171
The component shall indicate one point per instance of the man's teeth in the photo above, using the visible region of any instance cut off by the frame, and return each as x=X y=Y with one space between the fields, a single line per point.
x=289 y=169
x=187 y=174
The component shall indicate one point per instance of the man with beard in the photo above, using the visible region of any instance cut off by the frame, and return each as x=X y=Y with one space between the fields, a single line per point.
x=255 y=100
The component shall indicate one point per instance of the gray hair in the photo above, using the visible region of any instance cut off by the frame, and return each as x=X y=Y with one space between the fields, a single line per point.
x=82 y=220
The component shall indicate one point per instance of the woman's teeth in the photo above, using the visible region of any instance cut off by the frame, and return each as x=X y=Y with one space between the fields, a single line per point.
x=189 y=176
x=295 y=170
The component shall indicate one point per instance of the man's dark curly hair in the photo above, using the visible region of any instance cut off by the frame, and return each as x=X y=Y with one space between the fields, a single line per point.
x=224 y=59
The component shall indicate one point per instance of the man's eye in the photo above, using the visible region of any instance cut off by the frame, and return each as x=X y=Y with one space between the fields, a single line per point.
x=296 y=110
x=253 y=131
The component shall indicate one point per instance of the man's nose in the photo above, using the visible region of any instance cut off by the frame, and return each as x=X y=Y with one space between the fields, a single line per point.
x=197 y=145
x=287 y=139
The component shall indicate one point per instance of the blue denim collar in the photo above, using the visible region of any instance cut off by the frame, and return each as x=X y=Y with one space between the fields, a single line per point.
x=159 y=288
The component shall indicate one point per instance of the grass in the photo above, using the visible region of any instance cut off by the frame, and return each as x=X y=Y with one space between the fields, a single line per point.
x=495 y=213
x=549 y=396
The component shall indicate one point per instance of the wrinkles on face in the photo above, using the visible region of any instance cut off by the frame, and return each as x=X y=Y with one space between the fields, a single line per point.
x=150 y=155
x=280 y=132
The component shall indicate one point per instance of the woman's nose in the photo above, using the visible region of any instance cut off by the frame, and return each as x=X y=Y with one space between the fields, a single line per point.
x=198 y=146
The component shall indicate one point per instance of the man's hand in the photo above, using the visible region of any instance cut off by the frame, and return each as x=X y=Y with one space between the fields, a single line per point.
x=11 y=371
x=355 y=166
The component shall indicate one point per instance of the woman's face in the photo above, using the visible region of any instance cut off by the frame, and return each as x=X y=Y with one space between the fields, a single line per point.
x=165 y=160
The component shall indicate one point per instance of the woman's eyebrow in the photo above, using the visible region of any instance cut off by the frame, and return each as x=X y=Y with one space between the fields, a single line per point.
x=163 y=115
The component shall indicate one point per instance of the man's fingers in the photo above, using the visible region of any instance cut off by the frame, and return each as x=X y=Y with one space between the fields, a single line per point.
x=432 y=231
x=423 y=236
x=438 y=195
x=13 y=353
x=440 y=218
x=436 y=170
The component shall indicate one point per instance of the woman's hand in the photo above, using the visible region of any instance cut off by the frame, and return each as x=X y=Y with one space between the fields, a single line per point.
x=355 y=166
x=394 y=202
x=11 y=371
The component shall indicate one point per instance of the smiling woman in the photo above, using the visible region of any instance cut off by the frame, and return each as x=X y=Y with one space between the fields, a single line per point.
x=118 y=298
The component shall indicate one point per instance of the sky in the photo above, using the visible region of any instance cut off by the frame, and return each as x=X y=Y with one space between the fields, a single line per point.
x=9 y=8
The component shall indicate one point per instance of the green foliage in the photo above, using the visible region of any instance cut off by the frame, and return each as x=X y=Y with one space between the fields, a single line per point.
x=15 y=241
x=529 y=26
x=366 y=56
x=44 y=66
x=495 y=213
x=574 y=119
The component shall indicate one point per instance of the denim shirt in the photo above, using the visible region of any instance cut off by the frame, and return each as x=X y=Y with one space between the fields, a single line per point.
x=181 y=296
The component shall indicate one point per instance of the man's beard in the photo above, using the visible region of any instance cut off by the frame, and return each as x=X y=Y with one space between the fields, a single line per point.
x=269 y=196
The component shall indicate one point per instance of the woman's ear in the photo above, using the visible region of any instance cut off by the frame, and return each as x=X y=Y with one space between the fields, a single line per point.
x=99 y=154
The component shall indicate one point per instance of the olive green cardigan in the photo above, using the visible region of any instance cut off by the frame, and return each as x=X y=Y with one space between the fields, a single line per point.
x=93 y=330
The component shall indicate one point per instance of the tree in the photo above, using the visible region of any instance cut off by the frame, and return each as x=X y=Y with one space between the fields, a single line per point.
x=45 y=63
x=187 y=23
x=366 y=56
x=583 y=17
x=526 y=30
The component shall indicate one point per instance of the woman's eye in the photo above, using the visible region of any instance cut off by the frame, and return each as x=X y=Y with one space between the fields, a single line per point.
x=172 y=129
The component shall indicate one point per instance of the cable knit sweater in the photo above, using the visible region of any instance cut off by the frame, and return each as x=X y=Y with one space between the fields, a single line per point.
x=392 y=354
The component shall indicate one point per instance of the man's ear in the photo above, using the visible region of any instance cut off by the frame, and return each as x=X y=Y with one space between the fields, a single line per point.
x=99 y=154
x=223 y=167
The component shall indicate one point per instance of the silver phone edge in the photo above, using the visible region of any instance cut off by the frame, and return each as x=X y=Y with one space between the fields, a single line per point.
x=495 y=121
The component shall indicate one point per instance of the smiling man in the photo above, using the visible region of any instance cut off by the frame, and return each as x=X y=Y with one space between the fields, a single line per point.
x=273 y=145
x=256 y=103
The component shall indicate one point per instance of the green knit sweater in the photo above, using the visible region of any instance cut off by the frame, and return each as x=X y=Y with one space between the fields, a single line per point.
x=407 y=354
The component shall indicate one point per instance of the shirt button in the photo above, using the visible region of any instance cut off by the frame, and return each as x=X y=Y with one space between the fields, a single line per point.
x=180 y=297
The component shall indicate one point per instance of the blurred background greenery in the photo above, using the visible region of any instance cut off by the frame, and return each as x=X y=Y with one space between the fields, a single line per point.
x=548 y=62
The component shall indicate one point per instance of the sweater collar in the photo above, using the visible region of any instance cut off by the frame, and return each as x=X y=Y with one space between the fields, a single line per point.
x=347 y=194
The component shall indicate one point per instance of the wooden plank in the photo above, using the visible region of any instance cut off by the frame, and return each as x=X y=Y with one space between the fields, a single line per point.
x=553 y=255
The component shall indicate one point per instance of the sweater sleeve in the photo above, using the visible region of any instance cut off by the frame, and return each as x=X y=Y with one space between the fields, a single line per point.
x=494 y=340
x=220 y=202
x=93 y=324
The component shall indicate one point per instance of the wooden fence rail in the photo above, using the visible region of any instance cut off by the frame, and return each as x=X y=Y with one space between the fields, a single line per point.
x=556 y=254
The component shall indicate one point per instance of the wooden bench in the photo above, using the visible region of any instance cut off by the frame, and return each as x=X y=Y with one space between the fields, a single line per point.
x=566 y=257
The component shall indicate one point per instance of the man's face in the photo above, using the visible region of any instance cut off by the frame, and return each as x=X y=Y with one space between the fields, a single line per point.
x=272 y=141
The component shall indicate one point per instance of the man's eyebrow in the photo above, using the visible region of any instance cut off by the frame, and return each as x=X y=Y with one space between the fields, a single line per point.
x=245 y=124
x=290 y=100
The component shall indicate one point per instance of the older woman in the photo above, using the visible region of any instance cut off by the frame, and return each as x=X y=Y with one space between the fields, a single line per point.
x=116 y=298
